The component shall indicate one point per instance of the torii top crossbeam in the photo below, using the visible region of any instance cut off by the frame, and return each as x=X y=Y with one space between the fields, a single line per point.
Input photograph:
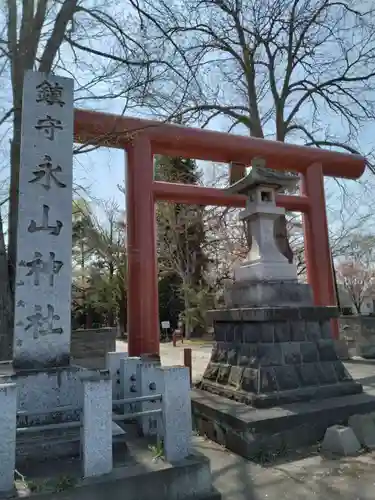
x=177 y=140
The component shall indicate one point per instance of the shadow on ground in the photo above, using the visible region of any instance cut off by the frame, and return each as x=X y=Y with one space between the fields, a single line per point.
x=312 y=478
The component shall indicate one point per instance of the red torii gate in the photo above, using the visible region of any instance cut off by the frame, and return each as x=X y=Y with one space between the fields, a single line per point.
x=144 y=138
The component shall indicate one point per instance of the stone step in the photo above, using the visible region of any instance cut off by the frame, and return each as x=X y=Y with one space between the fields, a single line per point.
x=59 y=443
x=252 y=432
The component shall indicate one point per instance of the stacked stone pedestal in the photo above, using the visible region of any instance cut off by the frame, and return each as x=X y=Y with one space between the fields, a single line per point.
x=274 y=380
x=267 y=357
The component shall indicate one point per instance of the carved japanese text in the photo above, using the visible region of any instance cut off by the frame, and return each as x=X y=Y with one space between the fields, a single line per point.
x=49 y=125
x=46 y=174
x=45 y=226
x=43 y=325
x=38 y=266
x=50 y=93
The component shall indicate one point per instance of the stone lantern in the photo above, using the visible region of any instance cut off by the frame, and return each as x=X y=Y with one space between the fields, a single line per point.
x=266 y=278
x=265 y=262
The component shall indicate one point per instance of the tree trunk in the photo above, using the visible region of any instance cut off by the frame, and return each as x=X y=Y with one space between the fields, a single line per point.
x=357 y=306
x=8 y=261
x=6 y=337
x=88 y=321
x=83 y=288
x=111 y=315
x=187 y=319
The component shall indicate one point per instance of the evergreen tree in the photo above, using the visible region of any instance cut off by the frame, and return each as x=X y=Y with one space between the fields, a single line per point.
x=182 y=260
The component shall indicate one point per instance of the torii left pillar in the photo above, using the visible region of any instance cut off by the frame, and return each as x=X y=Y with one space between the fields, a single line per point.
x=143 y=329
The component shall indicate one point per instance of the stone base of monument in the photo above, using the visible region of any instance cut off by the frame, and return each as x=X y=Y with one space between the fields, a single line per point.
x=50 y=396
x=51 y=388
x=274 y=377
x=43 y=390
x=264 y=271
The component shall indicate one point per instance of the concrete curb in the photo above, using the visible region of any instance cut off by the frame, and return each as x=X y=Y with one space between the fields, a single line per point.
x=360 y=361
x=190 y=479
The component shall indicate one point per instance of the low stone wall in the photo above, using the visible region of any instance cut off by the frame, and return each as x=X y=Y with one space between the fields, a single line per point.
x=359 y=334
x=93 y=343
x=350 y=326
x=85 y=344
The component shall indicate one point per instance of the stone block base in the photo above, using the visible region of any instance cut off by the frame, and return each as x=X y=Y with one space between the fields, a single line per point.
x=41 y=391
x=284 y=396
x=47 y=445
x=92 y=343
x=252 y=433
x=253 y=294
x=271 y=356
x=49 y=389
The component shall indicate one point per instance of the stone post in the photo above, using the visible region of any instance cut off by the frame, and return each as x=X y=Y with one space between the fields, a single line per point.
x=42 y=317
x=150 y=383
x=8 y=425
x=129 y=374
x=112 y=363
x=176 y=405
x=97 y=423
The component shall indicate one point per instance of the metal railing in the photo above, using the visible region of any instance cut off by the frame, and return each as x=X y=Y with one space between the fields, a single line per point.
x=56 y=409
x=75 y=424
x=48 y=427
x=131 y=416
x=140 y=399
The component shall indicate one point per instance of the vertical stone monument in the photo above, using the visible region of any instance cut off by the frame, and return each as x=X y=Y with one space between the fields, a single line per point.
x=273 y=346
x=42 y=320
x=44 y=236
x=49 y=389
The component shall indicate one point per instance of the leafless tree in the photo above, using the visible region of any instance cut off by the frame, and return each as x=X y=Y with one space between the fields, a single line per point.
x=296 y=70
x=356 y=271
